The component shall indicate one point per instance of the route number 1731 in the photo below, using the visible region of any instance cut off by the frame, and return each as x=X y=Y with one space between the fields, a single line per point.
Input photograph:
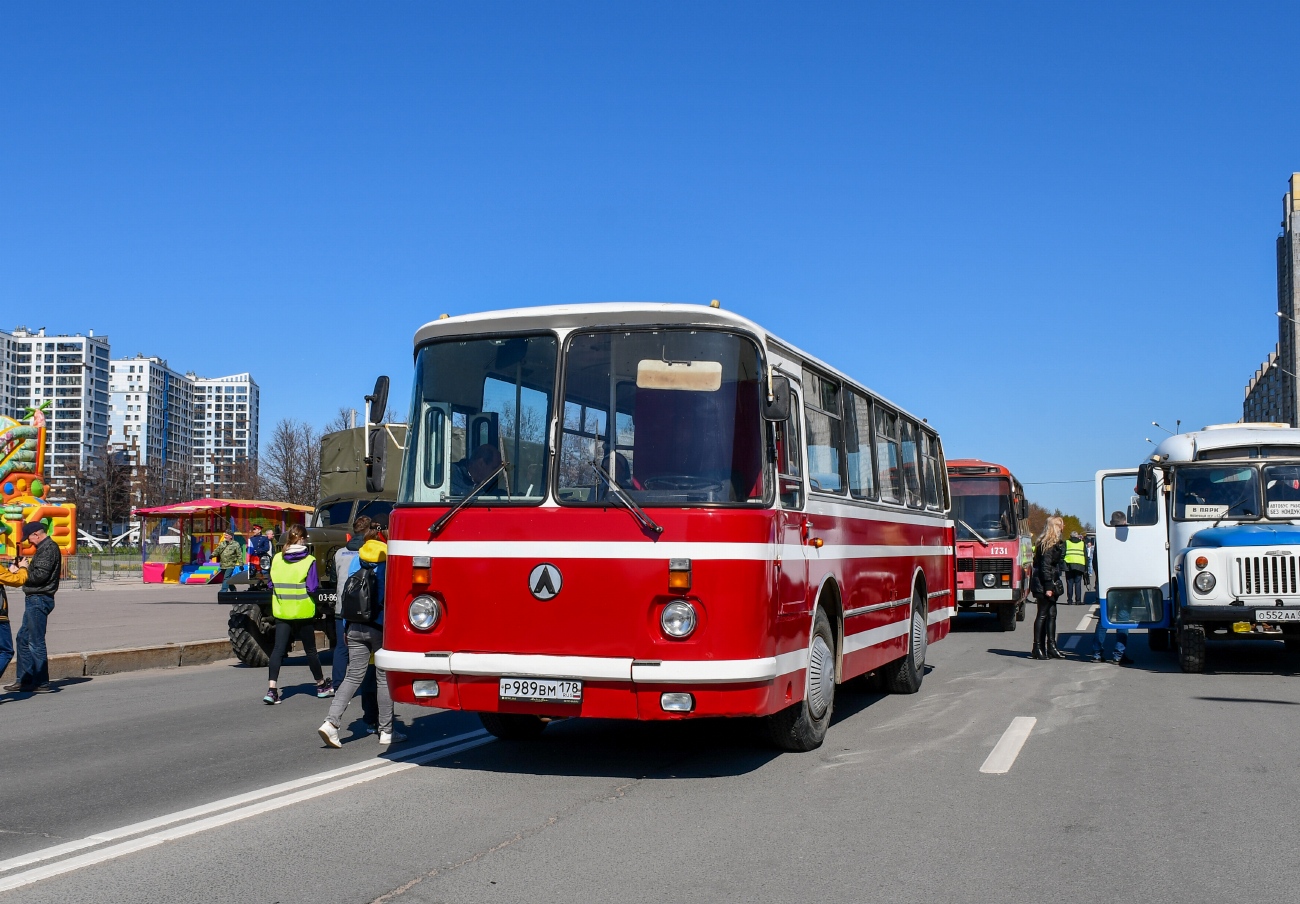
x=1000 y=550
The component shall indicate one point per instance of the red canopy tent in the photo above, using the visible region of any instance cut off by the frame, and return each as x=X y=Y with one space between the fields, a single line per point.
x=176 y=541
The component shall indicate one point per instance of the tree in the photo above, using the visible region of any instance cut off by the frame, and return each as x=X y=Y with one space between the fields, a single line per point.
x=1038 y=520
x=344 y=420
x=290 y=464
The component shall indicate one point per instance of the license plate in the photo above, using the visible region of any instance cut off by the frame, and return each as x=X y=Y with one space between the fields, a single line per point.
x=1276 y=615
x=541 y=690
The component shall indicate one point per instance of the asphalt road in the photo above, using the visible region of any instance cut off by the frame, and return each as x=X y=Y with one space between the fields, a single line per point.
x=1133 y=783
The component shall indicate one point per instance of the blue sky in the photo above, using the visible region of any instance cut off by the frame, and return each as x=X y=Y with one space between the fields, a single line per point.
x=1041 y=226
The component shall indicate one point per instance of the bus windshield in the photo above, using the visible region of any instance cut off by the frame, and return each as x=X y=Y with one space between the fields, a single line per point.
x=478 y=404
x=672 y=416
x=1212 y=493
x=985 y=504
x=1282 y=491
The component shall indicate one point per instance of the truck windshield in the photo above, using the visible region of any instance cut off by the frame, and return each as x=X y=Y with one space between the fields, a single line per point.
x=1212 y=493
x=985 y=504
x=477 y=404
x=1282 y=491
x=673 y=416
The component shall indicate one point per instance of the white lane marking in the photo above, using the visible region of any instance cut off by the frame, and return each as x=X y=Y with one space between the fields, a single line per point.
x=147 y=825
x=1072 y=642
x=1006 y=750
x=1085 y=623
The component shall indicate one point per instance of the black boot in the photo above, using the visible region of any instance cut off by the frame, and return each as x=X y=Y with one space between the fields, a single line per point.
x=1053 y=652
x=1037 y=653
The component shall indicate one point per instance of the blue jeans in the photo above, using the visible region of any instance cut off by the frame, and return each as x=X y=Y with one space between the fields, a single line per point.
x=6 y=646
x=33 y=660
x=339 y=670
x=1099 y=640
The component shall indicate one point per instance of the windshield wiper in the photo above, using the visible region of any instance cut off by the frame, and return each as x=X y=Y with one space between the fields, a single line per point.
x=469 y=497
x=974 y=532
x=616 y=492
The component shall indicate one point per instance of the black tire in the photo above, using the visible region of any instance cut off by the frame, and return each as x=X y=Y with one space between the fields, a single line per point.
x=247 y=639
x=903 y=676
x=1020 y=611
x=513 y=726
x=1158 y=639
x=803 y=726
x=1191 y=648
x=1007 y=617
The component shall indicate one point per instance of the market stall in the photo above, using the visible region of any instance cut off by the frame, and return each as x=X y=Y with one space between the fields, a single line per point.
x=177 y=541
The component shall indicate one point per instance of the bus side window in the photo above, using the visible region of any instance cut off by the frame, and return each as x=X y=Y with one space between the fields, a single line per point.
x=825 y=435
x=933 y=471
x=888 y=458
x=789 y=470
x=857 y=435
x=911 y=465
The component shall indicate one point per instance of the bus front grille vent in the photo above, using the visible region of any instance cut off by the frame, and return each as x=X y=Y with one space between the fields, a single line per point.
x=1267 y=576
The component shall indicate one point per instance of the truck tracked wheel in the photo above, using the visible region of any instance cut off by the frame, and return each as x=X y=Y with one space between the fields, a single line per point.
x=247 y=639
x=903 y=676
x=1007 y=617
x=1191 y=648
x=513 y=726
x=803 y=726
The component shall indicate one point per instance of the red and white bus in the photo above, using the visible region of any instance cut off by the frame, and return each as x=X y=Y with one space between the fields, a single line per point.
x=656 y=511
x=993 y=558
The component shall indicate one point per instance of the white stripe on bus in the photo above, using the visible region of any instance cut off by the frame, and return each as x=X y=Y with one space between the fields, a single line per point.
x=644 y=549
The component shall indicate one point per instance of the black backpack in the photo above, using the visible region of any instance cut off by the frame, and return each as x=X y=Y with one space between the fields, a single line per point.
x=360 y=602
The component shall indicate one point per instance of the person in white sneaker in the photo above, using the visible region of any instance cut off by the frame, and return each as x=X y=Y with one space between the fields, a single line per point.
x=364 y=586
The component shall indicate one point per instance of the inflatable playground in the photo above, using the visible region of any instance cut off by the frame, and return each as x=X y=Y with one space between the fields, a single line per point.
x=22 y=484
x=178 y=542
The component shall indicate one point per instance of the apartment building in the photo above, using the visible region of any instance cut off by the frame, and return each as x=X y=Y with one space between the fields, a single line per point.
x=225 y=433
x=1273 y=393
x=151 y=419
x=70 y=373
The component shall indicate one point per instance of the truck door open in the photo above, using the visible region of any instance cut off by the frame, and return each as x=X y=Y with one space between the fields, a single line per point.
x=1132 y=552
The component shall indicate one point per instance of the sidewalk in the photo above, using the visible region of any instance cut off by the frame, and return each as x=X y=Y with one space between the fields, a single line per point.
x=121 y=614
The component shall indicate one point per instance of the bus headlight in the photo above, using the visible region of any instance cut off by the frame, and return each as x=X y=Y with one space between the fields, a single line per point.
x=678 y=619
x=1204 y=582
x=424 y=613
x=990 y=580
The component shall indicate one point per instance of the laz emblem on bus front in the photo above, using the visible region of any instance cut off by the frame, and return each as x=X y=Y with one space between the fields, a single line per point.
x=544 y=581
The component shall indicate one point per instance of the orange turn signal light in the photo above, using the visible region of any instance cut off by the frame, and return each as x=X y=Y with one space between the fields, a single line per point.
x=1201 y=561
x=679 y=575
x=421 y=570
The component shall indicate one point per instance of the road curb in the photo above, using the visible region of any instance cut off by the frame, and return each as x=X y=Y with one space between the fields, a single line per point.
x=132 y=659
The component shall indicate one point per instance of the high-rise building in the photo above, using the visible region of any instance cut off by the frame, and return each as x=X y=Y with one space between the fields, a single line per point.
x=71 y=374
x=226 y=412
x=1271 y=392
x=151 y=420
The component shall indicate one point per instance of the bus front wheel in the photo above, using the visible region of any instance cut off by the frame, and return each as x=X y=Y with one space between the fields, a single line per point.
x=803 y=726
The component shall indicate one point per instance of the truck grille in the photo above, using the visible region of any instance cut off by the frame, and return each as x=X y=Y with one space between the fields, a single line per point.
x=1267 y=576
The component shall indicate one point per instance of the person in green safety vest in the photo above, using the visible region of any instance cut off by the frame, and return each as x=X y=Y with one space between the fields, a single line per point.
x=293 y=581
x=1076 y=566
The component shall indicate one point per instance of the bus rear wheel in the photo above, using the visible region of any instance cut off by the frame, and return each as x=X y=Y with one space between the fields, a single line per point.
x=803 y=726
x=513 y=726
x=903 y=676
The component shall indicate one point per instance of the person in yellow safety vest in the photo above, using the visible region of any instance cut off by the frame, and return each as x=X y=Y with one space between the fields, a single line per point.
x=293 y=581
x=1076 y=566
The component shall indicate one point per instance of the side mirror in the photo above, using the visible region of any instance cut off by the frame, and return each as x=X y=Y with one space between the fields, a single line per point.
x=777 y=408
x=1146 y=481
x=376 y=452
x=378 y=401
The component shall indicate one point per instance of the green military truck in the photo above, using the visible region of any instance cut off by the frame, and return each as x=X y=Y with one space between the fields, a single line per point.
x=343 y=497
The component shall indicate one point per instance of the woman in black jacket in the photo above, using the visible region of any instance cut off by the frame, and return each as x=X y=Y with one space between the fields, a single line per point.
x=1049 y=558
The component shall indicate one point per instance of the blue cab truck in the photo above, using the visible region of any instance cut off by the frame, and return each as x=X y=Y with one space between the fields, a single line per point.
x=1202 y=541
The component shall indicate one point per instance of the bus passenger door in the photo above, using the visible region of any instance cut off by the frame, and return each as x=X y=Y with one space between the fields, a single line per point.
x=1132 y=556
x=791 y=555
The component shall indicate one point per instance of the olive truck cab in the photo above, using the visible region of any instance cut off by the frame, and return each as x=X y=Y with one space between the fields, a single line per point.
x=1203 y=540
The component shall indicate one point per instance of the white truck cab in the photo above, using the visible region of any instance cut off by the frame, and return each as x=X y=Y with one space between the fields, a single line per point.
x=1204 y=539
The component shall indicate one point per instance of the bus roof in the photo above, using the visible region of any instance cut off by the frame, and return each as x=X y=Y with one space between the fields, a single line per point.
x=1188 y=446
x=631 y=314
x=974 y=467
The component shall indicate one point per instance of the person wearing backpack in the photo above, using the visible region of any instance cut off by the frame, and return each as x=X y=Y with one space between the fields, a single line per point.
x=362 y=601
x=344 y=558
x=293 y=581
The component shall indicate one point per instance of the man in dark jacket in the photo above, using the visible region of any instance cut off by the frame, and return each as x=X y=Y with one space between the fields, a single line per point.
x=42 y=583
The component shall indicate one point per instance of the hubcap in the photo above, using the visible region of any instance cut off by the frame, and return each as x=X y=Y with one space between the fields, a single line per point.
x=918 y=638
x=821 y=677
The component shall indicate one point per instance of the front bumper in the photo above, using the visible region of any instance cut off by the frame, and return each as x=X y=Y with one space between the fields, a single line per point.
x=996 y=595
x=1207 y=615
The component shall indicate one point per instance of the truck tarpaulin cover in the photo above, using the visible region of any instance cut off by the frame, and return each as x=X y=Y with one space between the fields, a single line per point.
x=343 y=461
